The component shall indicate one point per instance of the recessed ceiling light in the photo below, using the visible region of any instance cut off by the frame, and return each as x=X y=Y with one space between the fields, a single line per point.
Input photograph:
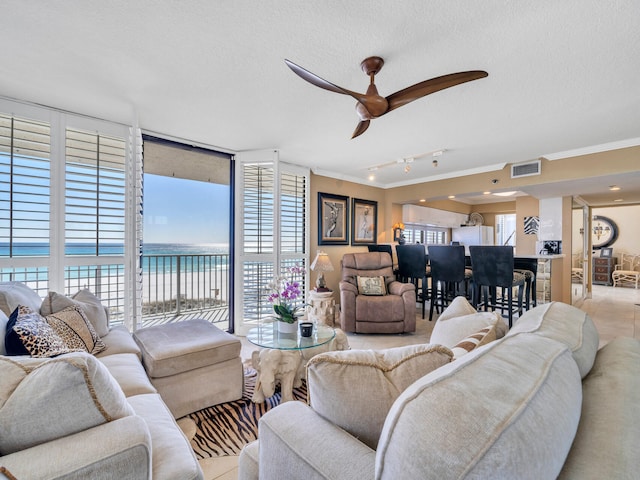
x=486 y=193
x=372 y=177
x=614 y=188
x=619 y=200
x=505 y=194
x=423 y=199
x=452 y=196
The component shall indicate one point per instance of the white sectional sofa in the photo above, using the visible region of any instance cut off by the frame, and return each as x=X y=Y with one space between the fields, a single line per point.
x=542 y=402
x=81 y=416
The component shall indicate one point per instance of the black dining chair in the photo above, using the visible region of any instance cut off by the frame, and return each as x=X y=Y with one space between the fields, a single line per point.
x=447 y=275
x=412 y=267
x=493 y=269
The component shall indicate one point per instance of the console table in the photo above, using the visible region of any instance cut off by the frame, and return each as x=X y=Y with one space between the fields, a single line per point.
x=602 y=269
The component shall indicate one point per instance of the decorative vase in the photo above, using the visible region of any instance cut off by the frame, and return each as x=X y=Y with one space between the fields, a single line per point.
x=289 y=328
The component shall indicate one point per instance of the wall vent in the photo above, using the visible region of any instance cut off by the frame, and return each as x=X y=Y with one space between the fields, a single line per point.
x=525 y=169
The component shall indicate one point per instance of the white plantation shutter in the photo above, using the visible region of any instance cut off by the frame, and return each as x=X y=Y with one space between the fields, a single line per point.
x=272 y=230
x=63 y=181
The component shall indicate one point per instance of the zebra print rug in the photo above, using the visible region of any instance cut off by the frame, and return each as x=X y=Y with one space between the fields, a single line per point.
x=224 y=429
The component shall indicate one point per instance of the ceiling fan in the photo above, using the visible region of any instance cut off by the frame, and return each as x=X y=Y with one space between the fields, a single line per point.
x=371 y=105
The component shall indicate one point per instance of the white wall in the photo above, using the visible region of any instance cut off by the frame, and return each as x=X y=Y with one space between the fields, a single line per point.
x=628 y=220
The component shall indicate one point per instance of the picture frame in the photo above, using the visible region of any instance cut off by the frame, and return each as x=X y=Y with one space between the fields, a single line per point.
x=333 y=219
x=364 y=222
x=606 y=252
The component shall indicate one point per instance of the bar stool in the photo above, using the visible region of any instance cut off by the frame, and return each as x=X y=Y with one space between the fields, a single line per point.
x=447 y=275
x=493 y=268
x=529 y=268
x=412 y=267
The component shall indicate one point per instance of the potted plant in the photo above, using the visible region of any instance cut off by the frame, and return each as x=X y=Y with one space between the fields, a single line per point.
x=285 y=290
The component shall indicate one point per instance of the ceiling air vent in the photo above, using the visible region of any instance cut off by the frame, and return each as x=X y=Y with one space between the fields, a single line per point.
x=525 y=169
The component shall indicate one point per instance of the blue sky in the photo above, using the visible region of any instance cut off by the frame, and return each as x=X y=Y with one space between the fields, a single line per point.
x=185 y=211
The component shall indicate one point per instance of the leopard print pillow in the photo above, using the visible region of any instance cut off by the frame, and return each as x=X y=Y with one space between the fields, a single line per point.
x=75 y=330
x=37 y=336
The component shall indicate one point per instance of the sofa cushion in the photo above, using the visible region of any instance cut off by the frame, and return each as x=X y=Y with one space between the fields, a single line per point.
x=173 y=456
x=54 y=398
x=13 y=294
x=129 y=373
x=450 y=330
x=87 y=301
x=119 y=340
x=354 y=389
x=609 y=431
x=566 y=324
x=478 y=339
x=371 y=285
x=75 y=330
x=37 y=337
x=509 y=409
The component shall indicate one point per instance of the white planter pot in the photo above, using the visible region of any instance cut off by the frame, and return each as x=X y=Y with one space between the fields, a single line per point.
x=284 y=327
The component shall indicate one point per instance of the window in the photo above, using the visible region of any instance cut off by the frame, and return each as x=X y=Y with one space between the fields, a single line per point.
x=63 y=191
x=273 y=226
x=506 y=229
x=428 y=235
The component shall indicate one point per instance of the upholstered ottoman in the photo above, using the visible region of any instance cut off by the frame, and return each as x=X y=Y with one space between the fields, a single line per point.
x=192 y=364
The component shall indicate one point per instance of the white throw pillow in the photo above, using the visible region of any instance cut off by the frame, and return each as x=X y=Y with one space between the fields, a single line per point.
x=55 y=398
x=355 y=389
x=87 y=301
x=460 y=320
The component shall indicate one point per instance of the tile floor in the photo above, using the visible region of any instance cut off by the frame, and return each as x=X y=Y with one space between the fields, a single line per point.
x=615 y=311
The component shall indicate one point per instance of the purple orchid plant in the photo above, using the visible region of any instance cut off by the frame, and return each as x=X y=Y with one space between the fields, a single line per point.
x=285 y=290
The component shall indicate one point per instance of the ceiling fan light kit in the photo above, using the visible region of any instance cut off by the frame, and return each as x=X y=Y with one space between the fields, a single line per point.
x=371 y=105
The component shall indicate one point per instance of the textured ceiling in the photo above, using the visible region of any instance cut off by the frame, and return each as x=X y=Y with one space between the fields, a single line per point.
x=562 y=75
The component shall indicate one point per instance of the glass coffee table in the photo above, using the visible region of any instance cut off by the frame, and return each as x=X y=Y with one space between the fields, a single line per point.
x=281 y=359
x=266 y=335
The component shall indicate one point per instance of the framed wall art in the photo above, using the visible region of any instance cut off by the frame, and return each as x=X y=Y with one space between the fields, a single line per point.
x=364 y=222
x=333 y=217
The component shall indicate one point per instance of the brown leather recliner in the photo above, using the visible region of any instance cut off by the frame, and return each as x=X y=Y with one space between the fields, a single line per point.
x=394 y=312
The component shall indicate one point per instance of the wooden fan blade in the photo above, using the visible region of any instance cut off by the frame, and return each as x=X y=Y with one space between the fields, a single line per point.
x=361 y=128
x=432 y=85
x=321 y=82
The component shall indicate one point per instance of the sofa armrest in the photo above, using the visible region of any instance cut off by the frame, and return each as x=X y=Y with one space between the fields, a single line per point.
x=296 y=442
x=118 y=449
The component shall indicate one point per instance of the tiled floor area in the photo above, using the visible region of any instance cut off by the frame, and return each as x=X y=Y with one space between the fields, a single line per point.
x=615 y=311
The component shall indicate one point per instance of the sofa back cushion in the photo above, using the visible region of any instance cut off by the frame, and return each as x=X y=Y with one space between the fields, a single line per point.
x=509 y=409
x=566 y=324
x=45 y=399
x=13 y=294
x=355 y=389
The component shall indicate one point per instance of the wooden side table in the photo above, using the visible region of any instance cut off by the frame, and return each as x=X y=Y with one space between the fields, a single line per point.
x=602 y=270
x=321 y=308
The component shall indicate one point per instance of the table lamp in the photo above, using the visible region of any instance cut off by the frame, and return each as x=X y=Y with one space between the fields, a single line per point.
x=321 y=264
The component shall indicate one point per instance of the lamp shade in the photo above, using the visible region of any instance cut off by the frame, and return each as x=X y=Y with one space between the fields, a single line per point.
x=322 y=263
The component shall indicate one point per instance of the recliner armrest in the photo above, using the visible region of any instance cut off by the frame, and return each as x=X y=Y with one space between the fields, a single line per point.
x=348 y=287
x=398 y=288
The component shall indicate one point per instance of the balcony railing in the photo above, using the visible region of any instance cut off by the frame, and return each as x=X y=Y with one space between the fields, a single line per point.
x=174 y=287
x=177 y=285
